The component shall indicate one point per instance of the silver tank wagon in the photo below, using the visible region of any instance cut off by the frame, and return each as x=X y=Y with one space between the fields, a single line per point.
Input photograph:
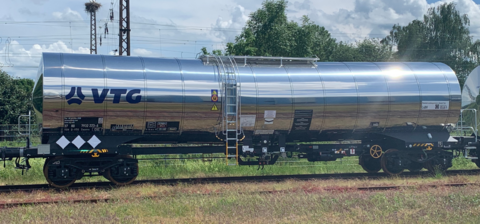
x=99 y=112
x=160 y=95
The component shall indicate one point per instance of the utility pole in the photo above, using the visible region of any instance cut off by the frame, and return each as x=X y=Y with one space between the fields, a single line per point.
x=124 y=32
x=92 y=8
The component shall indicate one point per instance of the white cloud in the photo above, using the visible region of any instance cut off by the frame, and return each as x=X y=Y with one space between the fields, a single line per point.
x=20 y=57
x=367 y=18
x=144 y=53
x=224 y=28
x=67 y=15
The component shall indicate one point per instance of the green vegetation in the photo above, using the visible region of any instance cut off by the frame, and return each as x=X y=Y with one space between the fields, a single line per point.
x=15 y=98
x=294 y=202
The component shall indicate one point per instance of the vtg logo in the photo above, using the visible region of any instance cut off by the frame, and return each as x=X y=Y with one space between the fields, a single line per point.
x=100 y=97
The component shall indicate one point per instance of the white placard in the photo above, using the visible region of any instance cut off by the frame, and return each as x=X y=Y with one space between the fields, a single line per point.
x=435 y=105
x=264 y=132
x=270 y=114
x=247 y=120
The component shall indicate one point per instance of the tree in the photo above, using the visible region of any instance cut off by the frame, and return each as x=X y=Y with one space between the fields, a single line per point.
x=214 y=52
x=312 y=39
x=267 y=32
x=15 y=98
x=442 y=36
x=367 y=50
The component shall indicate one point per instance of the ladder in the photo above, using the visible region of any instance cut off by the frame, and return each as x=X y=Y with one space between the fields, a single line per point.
x=228 y=73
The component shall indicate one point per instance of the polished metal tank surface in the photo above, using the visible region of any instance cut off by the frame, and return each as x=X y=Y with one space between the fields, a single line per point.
x=102 y=94
x=471 y=99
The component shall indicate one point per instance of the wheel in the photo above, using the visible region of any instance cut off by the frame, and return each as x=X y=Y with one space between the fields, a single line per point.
x=369 y=164
x=415 y=167
x=58 y=176
x=122 y=174
x=389 y=161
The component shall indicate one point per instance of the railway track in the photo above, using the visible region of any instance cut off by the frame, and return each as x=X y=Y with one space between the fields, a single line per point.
x=204 y=180
x=6 y=205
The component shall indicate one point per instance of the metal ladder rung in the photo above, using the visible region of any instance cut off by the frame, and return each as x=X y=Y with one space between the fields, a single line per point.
x=232 y=156
x=230 y=104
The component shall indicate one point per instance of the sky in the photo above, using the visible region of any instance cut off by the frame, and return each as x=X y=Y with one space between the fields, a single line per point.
x=165 y=28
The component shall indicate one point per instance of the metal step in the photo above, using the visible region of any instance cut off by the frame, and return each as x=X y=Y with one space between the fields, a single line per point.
x=231 y=156
x=232 y=164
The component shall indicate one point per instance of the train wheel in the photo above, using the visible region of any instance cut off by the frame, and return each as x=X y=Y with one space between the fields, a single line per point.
x=369 y=164
x=124 y=173
x=57 y=174
x=389 y=162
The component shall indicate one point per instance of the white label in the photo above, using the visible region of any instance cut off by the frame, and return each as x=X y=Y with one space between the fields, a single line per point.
x=247 y=120
x=435 y=105
x=264 y=132
x=246 y=148
x=43 y=149
x=270 y=114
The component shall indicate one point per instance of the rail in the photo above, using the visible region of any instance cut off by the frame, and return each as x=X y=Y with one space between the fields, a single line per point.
x=235 y=179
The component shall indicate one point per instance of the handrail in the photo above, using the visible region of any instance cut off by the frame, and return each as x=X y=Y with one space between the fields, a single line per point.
x=261 y=60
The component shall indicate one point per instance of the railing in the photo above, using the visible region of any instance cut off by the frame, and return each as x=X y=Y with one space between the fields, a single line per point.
x=13 y=132
x=265 y=61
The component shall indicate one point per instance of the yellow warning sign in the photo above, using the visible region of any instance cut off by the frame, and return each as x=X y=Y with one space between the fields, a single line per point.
x=214 y=108
x=214 y=92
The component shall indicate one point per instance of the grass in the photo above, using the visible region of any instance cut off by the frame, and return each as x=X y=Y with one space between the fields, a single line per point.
x=298 y=202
